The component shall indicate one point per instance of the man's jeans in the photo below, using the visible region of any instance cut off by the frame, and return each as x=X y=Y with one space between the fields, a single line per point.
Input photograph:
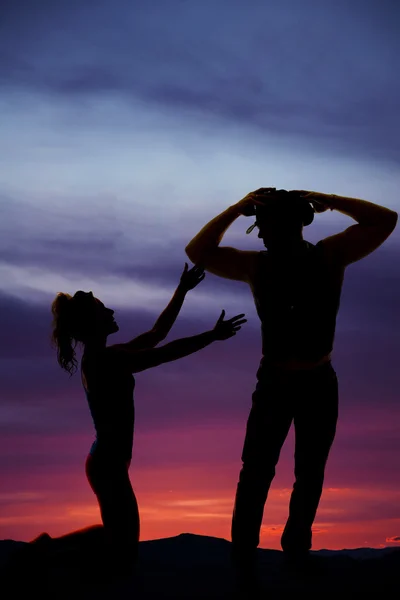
x=309 y=399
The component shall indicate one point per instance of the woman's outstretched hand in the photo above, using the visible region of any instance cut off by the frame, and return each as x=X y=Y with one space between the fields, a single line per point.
x=226 y=329
x=190 y=278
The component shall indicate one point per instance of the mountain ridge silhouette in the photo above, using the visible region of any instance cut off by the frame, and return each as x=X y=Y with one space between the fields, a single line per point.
x=198 y=566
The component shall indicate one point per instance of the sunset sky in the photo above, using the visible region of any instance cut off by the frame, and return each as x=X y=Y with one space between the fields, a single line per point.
x=125 y=127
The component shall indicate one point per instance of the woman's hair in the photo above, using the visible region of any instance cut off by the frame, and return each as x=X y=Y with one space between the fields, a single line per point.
x=71 y=323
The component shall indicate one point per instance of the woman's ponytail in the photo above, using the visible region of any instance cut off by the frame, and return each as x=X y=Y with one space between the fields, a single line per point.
x=62 y=336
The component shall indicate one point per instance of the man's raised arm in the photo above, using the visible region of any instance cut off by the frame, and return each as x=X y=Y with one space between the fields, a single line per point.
x=374 y=225
x=205 y=250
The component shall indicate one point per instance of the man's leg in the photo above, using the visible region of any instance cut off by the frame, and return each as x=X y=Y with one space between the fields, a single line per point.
x=267 y=428
x=315 y=418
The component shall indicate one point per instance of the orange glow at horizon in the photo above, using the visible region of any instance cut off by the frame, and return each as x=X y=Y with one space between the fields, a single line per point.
x=188 y=500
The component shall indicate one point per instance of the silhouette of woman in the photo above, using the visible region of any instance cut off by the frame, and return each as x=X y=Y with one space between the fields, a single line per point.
x=108 y=381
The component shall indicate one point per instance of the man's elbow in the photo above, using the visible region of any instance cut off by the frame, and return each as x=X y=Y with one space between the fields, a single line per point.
x=196 y=256
x=190 y=252
x=395 y=218
x=391 y=221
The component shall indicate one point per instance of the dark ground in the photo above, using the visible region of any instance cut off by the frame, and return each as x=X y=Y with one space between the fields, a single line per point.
x=192 y=566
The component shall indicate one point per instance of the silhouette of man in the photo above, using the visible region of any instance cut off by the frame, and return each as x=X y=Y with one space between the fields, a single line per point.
x=296 y=287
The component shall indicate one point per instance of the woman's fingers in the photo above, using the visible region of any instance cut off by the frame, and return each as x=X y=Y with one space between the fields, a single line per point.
x=239 y=322
x=236 y=318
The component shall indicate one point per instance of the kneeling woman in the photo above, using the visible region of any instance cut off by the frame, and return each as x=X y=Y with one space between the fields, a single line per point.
x=108 y=381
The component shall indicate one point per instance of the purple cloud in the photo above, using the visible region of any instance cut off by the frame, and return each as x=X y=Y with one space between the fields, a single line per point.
x=321 y=74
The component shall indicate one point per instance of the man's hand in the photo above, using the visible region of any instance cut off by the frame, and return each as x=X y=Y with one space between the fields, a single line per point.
x=226 y=329
x=320 y=202
x=247 y=205
x=190 y=278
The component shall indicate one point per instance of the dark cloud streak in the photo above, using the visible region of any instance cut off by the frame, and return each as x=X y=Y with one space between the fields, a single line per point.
x=323 y=74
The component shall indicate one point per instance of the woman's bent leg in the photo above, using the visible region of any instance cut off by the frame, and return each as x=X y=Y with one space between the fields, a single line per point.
x=118 y=507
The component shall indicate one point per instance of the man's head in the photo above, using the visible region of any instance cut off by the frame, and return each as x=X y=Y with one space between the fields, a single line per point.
x=281 y=217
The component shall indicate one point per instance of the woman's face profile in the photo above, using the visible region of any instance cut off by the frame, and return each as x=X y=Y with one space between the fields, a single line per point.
x=104 y=318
